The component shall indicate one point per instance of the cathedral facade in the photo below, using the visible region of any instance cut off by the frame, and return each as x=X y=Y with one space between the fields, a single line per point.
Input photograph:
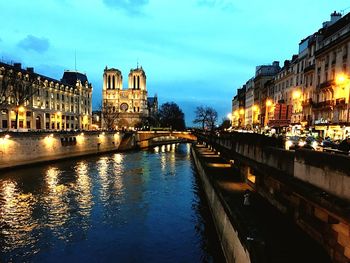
x=125 y=108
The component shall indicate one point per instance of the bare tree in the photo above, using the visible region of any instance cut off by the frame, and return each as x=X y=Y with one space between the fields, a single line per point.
x=16 y=90
x=110 y=114
x=207 y=116
x=201 y=116
x=212 y=117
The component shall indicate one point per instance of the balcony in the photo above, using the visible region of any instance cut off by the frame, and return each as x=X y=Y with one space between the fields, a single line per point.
x=324 y=105
x=340 y=102
x=326 y=84
x=309 y=68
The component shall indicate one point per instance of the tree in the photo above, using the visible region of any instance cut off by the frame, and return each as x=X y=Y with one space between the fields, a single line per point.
x=225 y=124
x=201 y=116
x=212 y=117
x=16 y=90
x=207 y=116
x=170 y=115
x=109 y=115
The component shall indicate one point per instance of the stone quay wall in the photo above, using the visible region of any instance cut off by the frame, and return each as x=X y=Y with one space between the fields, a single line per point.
x=312 y=188
x=234 y=250
x=27 y=148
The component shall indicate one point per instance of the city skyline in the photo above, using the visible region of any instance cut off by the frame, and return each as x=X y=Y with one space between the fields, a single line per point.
x=191 y=56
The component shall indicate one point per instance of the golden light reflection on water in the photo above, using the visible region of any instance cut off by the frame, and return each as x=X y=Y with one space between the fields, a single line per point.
x=83 y=186
x=118 y=171
x=16 y=216
x=55 y=201
x=102 y=167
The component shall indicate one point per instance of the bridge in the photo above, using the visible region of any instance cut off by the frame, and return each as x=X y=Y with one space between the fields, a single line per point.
x=311 y=188
x=146 y=139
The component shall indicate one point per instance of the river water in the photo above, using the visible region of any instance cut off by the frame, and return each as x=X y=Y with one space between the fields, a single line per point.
x=143 y=206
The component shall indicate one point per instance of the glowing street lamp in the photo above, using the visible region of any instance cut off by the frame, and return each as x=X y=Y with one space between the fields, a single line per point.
x=21 y=109
x=296 y=94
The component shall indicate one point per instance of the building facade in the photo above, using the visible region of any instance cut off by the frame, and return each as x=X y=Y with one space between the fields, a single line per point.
x=30 y=101
x=126 y=108
x=250 y=113
x=312 y=90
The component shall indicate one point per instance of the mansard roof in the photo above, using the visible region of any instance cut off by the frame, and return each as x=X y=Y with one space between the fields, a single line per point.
x=71 y=77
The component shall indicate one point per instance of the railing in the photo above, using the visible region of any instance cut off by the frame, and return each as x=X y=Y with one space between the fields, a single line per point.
x=324 y=104
x=326 y=84
x=309 y=68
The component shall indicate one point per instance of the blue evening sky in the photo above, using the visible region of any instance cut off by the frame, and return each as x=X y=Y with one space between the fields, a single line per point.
x=194 y=52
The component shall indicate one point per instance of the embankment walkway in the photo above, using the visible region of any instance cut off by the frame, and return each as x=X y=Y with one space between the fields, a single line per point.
x=264 y=232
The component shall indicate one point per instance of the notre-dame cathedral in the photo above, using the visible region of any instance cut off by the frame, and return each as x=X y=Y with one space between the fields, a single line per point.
x=129 y=107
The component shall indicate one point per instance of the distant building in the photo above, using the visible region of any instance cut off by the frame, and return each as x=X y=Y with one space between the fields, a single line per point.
x=96 y=120
x=129 y=108
x=30 y=101
x=263 y=74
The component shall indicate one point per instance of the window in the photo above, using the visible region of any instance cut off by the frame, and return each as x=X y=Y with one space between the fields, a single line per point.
x=4 y=124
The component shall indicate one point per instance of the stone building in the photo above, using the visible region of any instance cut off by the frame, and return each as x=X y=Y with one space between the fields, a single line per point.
x=30 y=101
x=331 y=107
x=251 y=112
x=263 y=73
x=128 y=108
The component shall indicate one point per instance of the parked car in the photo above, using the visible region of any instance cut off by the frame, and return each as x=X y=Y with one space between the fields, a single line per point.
x=328 y=143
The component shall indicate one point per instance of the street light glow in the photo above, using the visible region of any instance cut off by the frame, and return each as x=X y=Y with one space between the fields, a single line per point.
x=268 y=102
x=296 y=94
x=341 y=78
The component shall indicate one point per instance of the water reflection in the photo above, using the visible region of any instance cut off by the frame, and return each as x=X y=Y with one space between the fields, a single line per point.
x=55 y=206
x=123 y=206
x=83 y=187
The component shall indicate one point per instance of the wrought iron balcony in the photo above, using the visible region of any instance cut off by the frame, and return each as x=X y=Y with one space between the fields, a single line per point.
x=309 y=68
x=324 y=104
x=326 y=84
x=340 y=102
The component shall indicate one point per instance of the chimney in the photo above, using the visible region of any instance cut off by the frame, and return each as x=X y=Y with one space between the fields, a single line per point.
x=30 y=70
x=286 y=63
x=17 y=66
x=276 y=64
x=335 y=17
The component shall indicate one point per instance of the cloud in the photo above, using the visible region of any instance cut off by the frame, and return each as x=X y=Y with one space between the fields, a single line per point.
x=225 y=5
x=37 y=44
x=132 y=7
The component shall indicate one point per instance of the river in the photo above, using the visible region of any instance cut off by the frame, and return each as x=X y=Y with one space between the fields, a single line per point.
x=142 y=206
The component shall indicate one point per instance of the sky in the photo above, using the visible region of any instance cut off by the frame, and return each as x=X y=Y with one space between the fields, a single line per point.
x=194 y=52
